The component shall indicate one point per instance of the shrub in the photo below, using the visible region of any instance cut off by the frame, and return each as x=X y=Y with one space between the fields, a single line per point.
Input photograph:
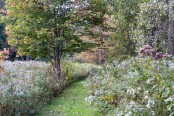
x=76 y=71
x=135 y=87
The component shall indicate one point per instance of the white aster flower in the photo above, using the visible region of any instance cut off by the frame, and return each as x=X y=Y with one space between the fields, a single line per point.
x=129 y=113
x=168 y=99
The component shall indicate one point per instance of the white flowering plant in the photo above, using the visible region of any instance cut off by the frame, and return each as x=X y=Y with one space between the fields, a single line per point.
x=26 y=86
x=139 y=86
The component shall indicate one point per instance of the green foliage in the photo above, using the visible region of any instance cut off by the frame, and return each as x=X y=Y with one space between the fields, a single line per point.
x=138 y=23
x=124 y=16
x=4 y=43
x=47 y=28
x=76 y=71
x=152 y=25
x=135 y=87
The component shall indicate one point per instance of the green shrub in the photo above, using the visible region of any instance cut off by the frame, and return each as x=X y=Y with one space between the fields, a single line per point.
x=76 y=71
x=136 y=87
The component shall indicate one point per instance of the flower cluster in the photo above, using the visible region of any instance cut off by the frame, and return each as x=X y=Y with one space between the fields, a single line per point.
x=148 y=51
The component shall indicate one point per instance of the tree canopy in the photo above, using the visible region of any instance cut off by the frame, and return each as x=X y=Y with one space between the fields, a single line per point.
x=140 y=23
x=49 y=28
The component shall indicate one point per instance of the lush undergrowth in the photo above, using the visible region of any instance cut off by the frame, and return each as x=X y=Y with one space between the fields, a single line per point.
x=72 y=102
x=138 y=87
x=26 y=86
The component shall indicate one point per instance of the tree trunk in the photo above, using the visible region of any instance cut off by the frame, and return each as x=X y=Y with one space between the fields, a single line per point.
x=57 y=62
x=171 y=28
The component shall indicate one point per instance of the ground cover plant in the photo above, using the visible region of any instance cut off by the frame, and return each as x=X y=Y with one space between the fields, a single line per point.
x=139 y=86
x=26 y=86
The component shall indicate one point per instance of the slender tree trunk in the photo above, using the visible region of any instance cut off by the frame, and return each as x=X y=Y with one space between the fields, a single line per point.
x=171 y=28
x=58 y=21
x=57 y=63
x=57 y=53
x=57 y=66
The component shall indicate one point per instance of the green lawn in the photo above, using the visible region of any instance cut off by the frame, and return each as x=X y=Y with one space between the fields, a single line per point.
x=72 y=102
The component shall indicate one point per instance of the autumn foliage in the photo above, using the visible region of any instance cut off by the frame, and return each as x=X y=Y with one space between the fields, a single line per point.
x=3 y=55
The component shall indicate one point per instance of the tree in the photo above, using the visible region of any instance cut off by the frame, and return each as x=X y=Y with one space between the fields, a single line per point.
x=49 y=28
x=171 y=28
x=152 y=27
x=123 y=13
x=138 y=23
x=3 y=36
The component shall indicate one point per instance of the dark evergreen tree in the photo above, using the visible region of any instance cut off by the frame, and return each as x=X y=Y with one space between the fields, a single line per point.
x=3 y=36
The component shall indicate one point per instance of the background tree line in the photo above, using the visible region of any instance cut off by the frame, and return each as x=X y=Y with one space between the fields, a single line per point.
x=139 y=23
x=136 y=23
x=4 y=36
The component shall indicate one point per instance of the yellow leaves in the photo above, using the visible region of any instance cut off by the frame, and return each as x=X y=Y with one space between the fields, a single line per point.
x=8 y=26
x=146 y=73
x=14 y=3
x=161 y=82
x=25 y=42
x=107 y=98
x=157 y=78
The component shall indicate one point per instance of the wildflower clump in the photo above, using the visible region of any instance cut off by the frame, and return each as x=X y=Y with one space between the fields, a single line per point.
x=25 y=87
x=138 y=86
x=146 y=51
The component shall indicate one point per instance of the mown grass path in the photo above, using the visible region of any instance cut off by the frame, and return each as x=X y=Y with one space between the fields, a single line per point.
x=72 y=102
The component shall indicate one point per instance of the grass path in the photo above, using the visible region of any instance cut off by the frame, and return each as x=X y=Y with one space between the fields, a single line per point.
x=72 y=102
